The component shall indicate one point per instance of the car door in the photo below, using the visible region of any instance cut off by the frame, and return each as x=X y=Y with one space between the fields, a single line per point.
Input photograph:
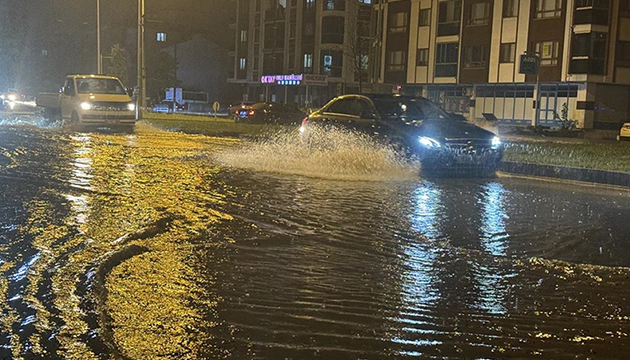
x=344 y=112
x=367 y=121
x=67 y=98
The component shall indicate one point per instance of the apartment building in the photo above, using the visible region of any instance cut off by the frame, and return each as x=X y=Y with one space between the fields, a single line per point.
x=302 y=51
x=465 y=54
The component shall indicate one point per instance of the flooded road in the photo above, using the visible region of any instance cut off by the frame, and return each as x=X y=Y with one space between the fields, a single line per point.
x=160 y=245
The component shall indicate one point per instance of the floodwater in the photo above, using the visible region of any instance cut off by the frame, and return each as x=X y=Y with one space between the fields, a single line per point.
x=156 y=245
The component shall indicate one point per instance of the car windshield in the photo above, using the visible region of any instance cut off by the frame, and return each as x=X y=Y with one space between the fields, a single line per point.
x=100 y=86
x=409 y=110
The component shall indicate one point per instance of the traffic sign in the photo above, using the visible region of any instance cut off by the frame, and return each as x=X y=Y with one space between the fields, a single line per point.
x=169 y=94
x=530 y=64
x=179 y=96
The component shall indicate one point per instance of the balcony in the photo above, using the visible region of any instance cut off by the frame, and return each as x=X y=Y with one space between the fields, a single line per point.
x=588 y=66
x=448 y=29
x=591 y=16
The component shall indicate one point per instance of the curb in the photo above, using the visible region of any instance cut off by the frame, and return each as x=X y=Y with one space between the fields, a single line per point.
x=567 y=173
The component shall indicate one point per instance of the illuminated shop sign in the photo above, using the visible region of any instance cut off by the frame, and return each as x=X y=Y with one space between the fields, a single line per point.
x=286 y=80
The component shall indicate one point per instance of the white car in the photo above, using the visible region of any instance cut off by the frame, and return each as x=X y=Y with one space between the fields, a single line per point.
x=624 y=133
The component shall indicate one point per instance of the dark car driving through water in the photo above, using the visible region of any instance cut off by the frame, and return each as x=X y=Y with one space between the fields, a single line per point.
x=270 y=113
x=444 y=144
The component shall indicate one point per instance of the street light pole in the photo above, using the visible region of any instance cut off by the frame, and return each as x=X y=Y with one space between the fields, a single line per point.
x=99 y=62
x=141 y=82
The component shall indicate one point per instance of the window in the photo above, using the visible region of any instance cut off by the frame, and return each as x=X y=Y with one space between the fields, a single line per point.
x=308 y=61
x=623 y=53
x=332 y=29
x=161 y=37
x=475 y=57
x=450 y=11
x=548 y=8
x=310 y=5
x=334 y=4
x=446 y=59
x=598 y=4
x=624 y=8
x=510 y=8
x=425 y=17
x=348 y=106
x=398 y=22
x=396 y=60
x=243 y=35
x=422 y=57
x=332 y=63
x=508 y=53
x=241 y=63
x=449 y=18
x=479 y=14
x=548 y=52
x=588 y=53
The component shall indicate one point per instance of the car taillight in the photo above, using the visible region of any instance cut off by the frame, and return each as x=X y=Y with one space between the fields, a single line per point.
x=251 y=112
x=304 y=120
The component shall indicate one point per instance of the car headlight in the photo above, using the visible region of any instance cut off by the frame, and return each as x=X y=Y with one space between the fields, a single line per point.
x=131 y=107
x=429 y=143
x=12 y=97
x=86 y=106
x=496 y=142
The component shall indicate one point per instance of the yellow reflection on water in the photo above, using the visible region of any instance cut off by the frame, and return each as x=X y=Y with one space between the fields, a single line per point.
x=150 y=191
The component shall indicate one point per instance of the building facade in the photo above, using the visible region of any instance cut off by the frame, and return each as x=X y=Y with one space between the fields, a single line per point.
x=302 y=51
x=465 y=54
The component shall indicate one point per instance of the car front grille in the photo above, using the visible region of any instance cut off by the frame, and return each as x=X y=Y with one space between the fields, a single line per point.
x=110 y=106
x=468 y=146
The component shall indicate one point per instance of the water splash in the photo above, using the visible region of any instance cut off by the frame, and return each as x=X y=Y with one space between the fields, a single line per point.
x=30 y=119
x=333 y=154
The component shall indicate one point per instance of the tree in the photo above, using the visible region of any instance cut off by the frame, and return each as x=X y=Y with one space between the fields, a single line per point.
x=117 y=64
x=358 y=46
x=160 y=74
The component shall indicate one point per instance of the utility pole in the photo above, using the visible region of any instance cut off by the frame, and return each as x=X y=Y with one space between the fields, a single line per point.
x=99 y=61
x=141 y=82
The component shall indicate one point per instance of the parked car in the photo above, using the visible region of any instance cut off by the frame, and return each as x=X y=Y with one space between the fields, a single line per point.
x=443 y=143
x=624 y=132
x=270 y=113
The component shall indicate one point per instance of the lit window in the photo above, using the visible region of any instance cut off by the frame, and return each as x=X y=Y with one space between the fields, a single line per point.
x=243 y=36
x=510 y=8
x=425 y=17
x=161 y=37
x=508 y=53
x=397 y=60
x=308 y=61
x=479 y=14
x=422 y=59
x=475 y=57
x=548 y=51
x=398 y=22
x=548 y=9
x=241 y=63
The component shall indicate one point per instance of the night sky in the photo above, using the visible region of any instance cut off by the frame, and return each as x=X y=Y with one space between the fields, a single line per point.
x=43 y=40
